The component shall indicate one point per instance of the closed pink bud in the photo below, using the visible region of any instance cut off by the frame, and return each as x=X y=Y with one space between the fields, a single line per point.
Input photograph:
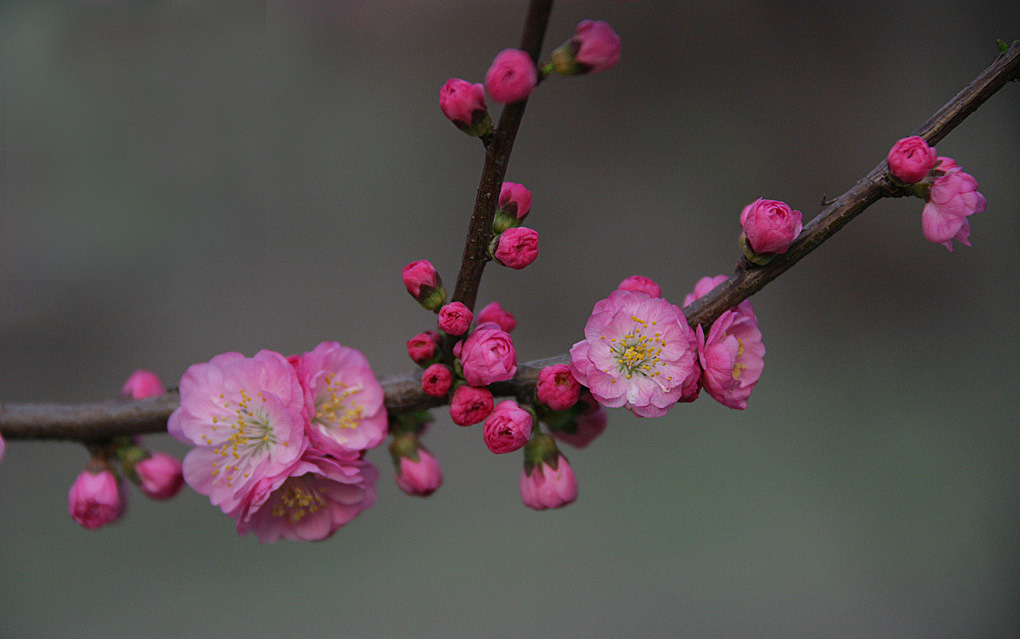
x=770 y=225
x=496 y=314
x=549 y=486
x=455 y=318
x=511 y=77
x=436 y=380
x=470 y=405
x=910 y=159
x=488 y=356
x=419 y=477
x=508 y=428
x=515 y=200
x=557 y=387
x=464 y=104
x=142 y=384
x=424 y=284
x=952 y=198
x=159 y=476
x=598 y=46
x=423 y=347
x=516 y=247
x=642 y=284
x=95 y=499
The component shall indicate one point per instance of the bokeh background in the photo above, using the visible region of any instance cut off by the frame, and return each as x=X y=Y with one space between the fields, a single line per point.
x=186 y=178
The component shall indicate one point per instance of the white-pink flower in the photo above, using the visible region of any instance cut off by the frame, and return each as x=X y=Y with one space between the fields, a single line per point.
x=952 y=198
x=636 y=353
x=246 y=418
x=731 y=358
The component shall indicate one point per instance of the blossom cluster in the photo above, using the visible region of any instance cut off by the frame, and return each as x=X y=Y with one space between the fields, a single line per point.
x=279 y=441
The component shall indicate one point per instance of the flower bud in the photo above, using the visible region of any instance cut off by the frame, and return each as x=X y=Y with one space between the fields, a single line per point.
x=455 y=318
x=642 y=284
x=910 y=159
x=464 y=104
x=141 y=385
x=488 y=356
x=594 y=47
x=769 y=228
x=515 y=248
x=582 y=424
x=2 y=446
x=159 y=476
x=423 y=348
x=557 y=387
x=952 y=198
x=514 y=206
x=508 y=427
x=470 y=405
x=95 y=498
x=497 y=315
x=547 y=480
x=436 y=380
x=511 y=77
x=424 y=284
x=418 y=472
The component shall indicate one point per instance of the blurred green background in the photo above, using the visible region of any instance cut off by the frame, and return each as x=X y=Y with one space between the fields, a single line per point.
x=186 y=178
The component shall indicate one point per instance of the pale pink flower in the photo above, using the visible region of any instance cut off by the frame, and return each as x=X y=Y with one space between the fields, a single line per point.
x=731 y=358
x=348 y=415
x=423 y=347
x=488 y=356
x=436 y=380
x=910 y=159
x=422 y=281
x=470 y=405
x=641 y=283
x=515 y=200
x=547 y=480
x=141 y=385
x=952 y=198
x=95 y=499
x=636 y=353
x=557 y=388
x=598 y=46
x=455 y=318
x=508 y=428
x=770 y=225
x=511 y=77
x=159 y=476
x=516 y=248
x=496 y=314
x=419 y=477
x=589 y=422
x=246 y=418
x=316 y=497
x=464 y=104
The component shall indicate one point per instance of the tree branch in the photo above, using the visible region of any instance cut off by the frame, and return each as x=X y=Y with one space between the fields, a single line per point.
x=90 y=422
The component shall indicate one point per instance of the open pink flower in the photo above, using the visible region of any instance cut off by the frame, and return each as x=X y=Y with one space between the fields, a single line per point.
x=246 y=418
x=511 y=77
x=910 y=159
x=95 y=499
x=731 y=358
x=488 y=356
x=348 y=415
x=636 y=353
x=141 y=385
x=952 y=198
x=508 y=428
x=641 y=283
x=496 y=314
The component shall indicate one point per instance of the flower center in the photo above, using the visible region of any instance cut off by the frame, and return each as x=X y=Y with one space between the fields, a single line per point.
x=637 y=353
x=251 y=435
x=330 y=406
x=296 y=499
x=739 y=367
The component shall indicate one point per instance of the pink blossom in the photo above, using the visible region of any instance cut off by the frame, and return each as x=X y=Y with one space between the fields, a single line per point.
x=316 y=497
x=488 y=356
x=910 y=159
x=515 y=200
x=464 y=104
x=508 y=428
x=2 y=447
x=348 y=415
x=589 y=422
x=952 y=198
x=598 y=46
x=641 y=283
x=160 y=476
x=770 y=225
x=706 y=285
x=246 y=418
x=95 y=499
x=496 y=314
x=422 y=281
x=141 y=385
x=557 y=387
x=423 y=347
x=516 y=247
x=455 y=318
x=731 y=358
x=419 y=477
x=636 y=353
x=470 y=405
x=549 y=485
x=436 y=380
x=511 y=77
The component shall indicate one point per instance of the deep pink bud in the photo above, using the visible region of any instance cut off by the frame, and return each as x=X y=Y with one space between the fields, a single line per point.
x=516 y=247
x=419 y=477
x=952 y=198
x=423 y=347
x=515 y=200
x=455 y=318
x=910 y=159
x=464 y=104
x=488 y=356
x=470 y=405
x=511 y=77
x=436 y=380
x=642 y=284
x=508 y=428
x=95 y=499
x=770 y=225
x=549 y=486
x=424 y=284
x=496 y=314
x=598 y=46
x=159 y=476
x=142 y=384
x=557 y=387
